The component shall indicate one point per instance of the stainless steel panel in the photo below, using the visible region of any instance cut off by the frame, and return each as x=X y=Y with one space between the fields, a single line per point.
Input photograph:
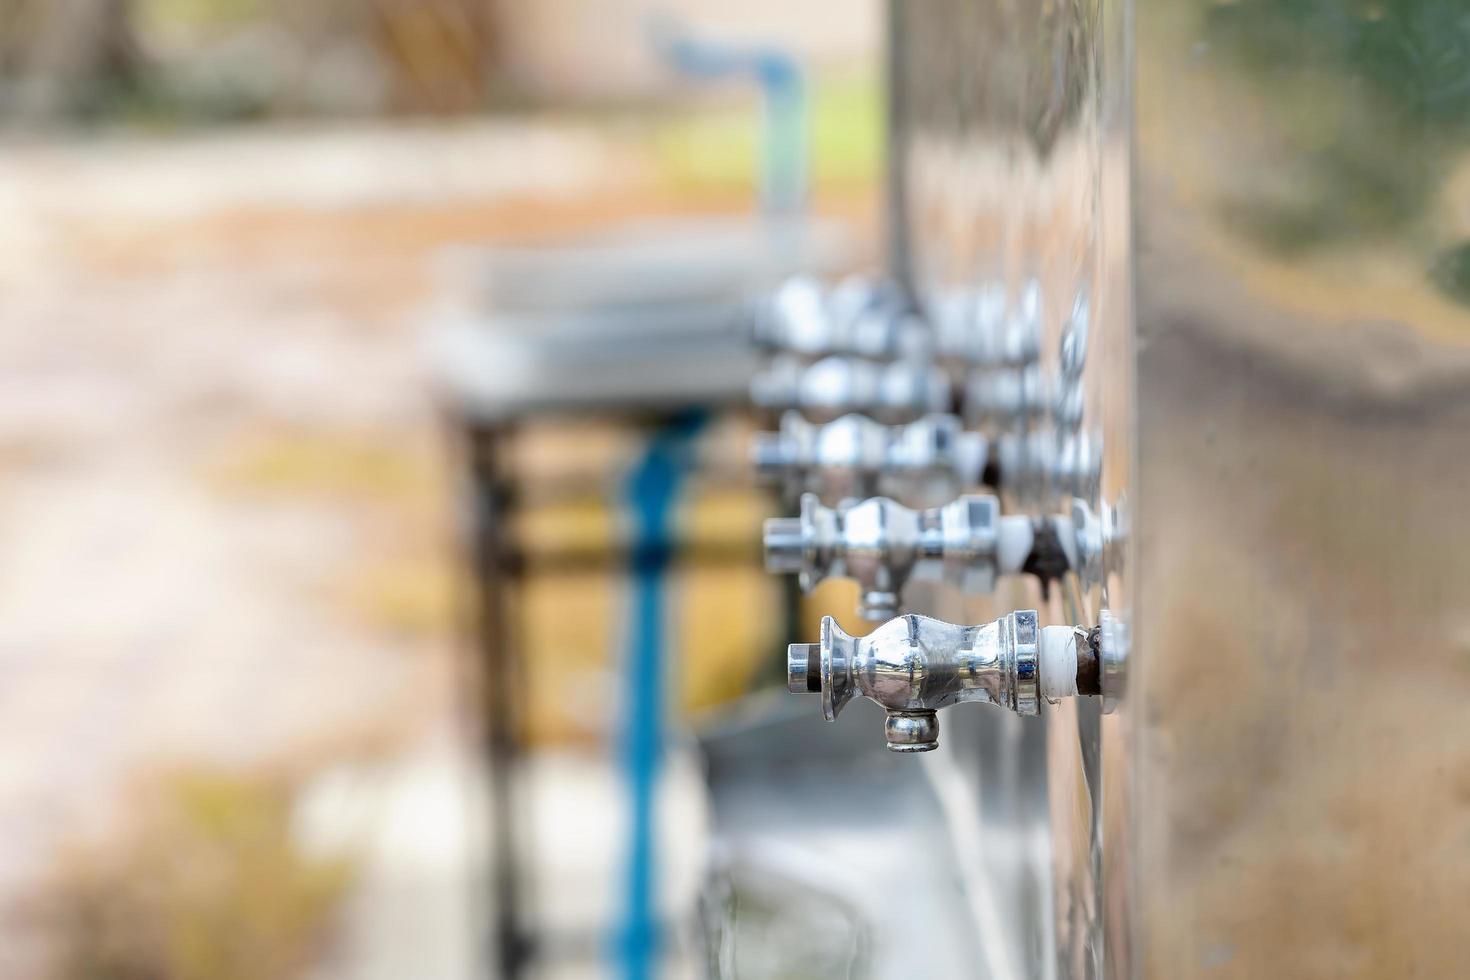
x=1302 y=646
x=1014 y=170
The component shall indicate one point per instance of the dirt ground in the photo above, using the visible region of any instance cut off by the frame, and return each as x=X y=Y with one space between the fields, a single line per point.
x=227 y=507
x=224 y=496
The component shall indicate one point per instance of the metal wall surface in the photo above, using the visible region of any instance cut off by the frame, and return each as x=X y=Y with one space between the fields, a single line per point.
x=1302 y=645
x=1013 y=175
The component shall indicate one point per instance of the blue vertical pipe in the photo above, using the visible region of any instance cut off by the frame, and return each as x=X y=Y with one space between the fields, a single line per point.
x=783 y=91
x=652 y=490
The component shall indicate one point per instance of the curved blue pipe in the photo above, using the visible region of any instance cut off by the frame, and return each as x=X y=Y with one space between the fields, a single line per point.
x=783 y=90
x=652 y=491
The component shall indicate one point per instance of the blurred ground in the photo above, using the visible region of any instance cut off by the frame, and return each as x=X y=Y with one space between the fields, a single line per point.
x=224 y=503
x=225 y=500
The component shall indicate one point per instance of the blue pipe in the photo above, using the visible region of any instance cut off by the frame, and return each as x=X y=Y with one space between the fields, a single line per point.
x=783 y=91
x=652 y=491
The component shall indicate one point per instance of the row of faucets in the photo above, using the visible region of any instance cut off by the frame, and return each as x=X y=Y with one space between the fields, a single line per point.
x=931 y=447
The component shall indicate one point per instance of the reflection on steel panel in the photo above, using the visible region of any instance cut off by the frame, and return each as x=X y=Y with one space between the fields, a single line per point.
x=1012 y=195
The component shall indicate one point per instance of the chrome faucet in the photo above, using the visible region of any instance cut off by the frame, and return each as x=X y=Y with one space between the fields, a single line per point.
x=930 y=459
x=914 y=665
x=895 y=392
x=883 y=545
x=859 y=317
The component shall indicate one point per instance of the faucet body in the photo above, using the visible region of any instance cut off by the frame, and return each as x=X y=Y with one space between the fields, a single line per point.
x=915 y=665
x=854 y=457
x=998 y=398
x=1048 y=467
x=882 y=545
x=896 y=392
x=858 y=317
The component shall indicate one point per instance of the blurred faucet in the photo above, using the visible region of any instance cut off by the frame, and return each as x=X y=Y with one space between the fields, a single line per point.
x=858 y=317
x=929 y=459
x=897 y=392
x=883 y=545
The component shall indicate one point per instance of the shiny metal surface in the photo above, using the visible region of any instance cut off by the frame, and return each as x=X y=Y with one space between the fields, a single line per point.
x=915 y=665
x=882 y=545
x=983 y=327
x=1300 y=743
x=924 y=463
x=1014 y=184
x=894 y=392
x=858 y=317
x=927 y=462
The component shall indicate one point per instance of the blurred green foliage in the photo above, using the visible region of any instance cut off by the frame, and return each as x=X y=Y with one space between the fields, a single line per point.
x=1451 y=272
x=720 y=149
x=1414 y=55
x=1373 y=98
x=1375 y=102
